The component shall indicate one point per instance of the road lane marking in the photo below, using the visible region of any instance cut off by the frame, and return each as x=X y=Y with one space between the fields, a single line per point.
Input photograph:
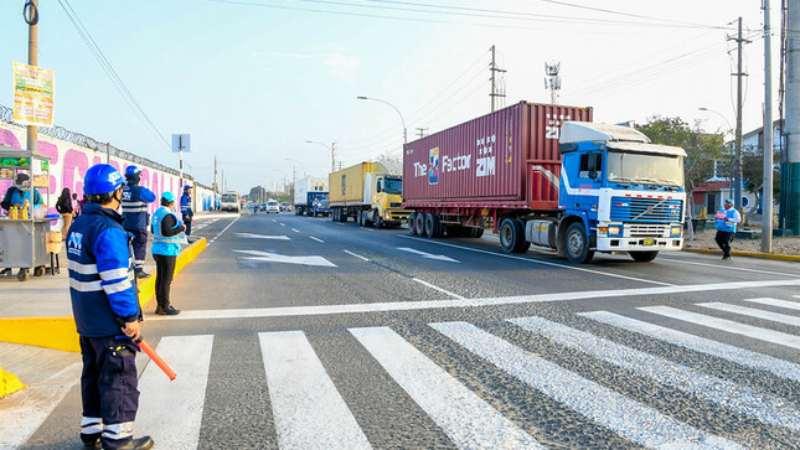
x=283 y=224
x=259 y=256
x=755 y=313
x=467 y=419
x=288 y=311
x=437 y=288
x=295 y=230
x=775 y=302
x=622 y=415
x=308 y=410
x=539 y=261
x=747 y=358
x=428 y=255
x=316 y=239
x=274 y=221
x=172 y=411
x=736 y=397
x=758 y=333
x=24 y=412
x=281 y=237
x=214 y=239
x=727 y=267
x=356 y=255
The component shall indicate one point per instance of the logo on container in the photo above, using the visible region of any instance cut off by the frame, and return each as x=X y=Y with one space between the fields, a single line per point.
x=434 y=165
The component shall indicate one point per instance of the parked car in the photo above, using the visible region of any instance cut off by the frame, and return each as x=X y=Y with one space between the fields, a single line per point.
x=285 y=207
x=273 y=207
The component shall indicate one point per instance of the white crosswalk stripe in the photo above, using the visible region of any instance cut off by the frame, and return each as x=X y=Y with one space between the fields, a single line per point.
x=760 y=361
x=754 y=313
x=775 y=302
x=743 y=400
x=469 y=421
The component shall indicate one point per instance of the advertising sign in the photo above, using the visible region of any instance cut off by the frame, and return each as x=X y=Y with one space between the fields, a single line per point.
x=34 y=95
x=181 y=143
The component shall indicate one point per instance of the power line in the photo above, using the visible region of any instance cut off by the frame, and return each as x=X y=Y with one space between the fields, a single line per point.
x=108 y=67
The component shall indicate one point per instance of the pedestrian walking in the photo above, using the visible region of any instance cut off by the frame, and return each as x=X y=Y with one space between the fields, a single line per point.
x=106 y=309
x=134 y=212
x=727 y=220
x=65 y=208
x=186 y=209
x=168 y=235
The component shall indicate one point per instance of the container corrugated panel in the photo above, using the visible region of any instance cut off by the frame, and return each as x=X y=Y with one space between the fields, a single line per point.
x=489 y=161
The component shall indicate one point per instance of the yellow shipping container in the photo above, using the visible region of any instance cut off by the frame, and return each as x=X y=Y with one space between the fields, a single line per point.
x=347 y=186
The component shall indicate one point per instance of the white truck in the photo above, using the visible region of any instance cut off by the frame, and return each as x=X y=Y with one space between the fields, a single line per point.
x=309 y=195
x=230 y=202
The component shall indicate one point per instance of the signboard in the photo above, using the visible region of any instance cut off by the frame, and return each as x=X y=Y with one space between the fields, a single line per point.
x=34 y=95
x=181 y=143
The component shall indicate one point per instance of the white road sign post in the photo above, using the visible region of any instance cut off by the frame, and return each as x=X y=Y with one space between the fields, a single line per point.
x=181 y=143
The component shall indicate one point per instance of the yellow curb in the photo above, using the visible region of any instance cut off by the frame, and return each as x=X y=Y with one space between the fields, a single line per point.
x=9 y=383
x=760 y=255
x=59 y=332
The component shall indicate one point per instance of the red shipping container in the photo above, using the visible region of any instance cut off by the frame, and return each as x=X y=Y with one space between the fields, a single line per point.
x=506 y=159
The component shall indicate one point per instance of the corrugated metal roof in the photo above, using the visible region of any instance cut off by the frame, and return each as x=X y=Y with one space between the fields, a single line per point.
x=574 y=132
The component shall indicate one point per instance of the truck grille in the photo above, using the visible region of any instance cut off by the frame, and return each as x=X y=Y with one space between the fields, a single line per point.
x=639 y=210
x=647 y=230
x=395 y=205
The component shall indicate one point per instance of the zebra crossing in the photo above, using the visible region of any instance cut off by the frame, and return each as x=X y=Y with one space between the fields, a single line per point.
x=310 y=412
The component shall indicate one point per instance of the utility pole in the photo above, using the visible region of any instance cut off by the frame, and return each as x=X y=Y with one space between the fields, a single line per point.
x=108 y=153
x=766 y=196
x=737 y=164
x=31 y=15
x=493 y=70
x=421 y=132
x=790 y=205
x=214 y=185
x=293 y=181
x=333 y=156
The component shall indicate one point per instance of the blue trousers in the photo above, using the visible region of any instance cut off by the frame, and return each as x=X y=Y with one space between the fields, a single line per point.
x=139 y=244
x=108 y=390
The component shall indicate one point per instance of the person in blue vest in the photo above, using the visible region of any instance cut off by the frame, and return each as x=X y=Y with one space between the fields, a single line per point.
x=168 y=235
x=727 y=221
x=106 y=309
x=186 y=209
x=135 y=217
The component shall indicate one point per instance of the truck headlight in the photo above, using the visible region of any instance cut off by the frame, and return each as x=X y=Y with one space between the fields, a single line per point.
x=676 y=231
x=614 y=230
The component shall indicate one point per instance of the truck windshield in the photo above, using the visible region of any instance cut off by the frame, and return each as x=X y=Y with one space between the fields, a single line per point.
x=393 y=185
x=645 y=168
x=228 y=198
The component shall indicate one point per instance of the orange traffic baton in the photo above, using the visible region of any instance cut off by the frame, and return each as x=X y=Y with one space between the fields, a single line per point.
x=145 y=347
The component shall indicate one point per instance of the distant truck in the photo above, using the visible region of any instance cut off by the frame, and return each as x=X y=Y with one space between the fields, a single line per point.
x=367 y=193
x=230 y=202
x=545 y=175
x=311 y=197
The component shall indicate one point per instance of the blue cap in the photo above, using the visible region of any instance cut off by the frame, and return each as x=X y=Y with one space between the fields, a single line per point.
x=132 y=171
x=187 y=186
x=101 y=179
x=168 y=197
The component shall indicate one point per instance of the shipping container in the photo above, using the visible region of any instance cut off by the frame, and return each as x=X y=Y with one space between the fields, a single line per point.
x=346 y=186
x=368 y=193
x=501 y=160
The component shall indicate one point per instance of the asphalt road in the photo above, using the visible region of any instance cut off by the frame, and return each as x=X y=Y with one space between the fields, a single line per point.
x=304 y=333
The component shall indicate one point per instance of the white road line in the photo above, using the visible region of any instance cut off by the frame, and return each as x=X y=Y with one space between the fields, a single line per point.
x=286 y=311
x=281 y=237
x=467 y=419
x=316 y=239
x=759 y=361
x=761 y=334
x=22 y=413
x=308 y=410
x=796 y=296
x=736 y=397
x=214 y=239
x=437 y=288
x=726 y=267
x=775 y=302
x=539 y=261
x=172 y=411
x=356 y=255
x=283 y=224
x=622 y=415
x=427 y=255
x=274 y=221
x=755 y=313
x=295 y=230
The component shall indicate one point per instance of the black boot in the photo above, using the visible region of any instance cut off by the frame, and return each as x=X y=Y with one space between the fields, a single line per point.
x=142 y=443
x=141 y=274
x=91 y=441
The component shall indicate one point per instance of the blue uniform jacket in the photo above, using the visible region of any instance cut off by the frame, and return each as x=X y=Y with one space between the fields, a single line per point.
x=101 y=273
x=134 y=207
x=186 y=206
x=730 y=221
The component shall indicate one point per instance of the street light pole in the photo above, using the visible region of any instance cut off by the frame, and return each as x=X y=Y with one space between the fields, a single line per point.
x=402 y=119
x=332 y=148
x=766 y=189
x=31 y=15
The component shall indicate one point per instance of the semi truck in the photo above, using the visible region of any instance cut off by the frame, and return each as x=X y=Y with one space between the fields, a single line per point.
x=311 y=197
x=230 y=202
x=545 y=175
x=369 y=194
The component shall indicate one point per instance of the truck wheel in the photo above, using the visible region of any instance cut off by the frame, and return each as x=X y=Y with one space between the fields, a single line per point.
x=420 y=224
x=643 y=256
x=577 y=244
x=433 y=227
x=412 y=224
x=512 y=236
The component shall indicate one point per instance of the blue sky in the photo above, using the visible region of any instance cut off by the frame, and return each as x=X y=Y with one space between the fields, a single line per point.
x=251 y=84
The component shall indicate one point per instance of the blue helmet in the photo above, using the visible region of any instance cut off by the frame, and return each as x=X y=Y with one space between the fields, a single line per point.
x=186 y=187
x=168 y=197
x=101 y=179
x=131 y=171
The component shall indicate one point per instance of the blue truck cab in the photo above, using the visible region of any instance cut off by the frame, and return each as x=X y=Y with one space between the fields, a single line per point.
x=317 y=202
x=618 y=192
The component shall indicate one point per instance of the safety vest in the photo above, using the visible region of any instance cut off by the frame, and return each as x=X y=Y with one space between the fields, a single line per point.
x=134 y=206
x=166 y=245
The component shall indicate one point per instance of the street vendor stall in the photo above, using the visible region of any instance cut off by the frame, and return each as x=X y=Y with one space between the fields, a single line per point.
x=23 y=229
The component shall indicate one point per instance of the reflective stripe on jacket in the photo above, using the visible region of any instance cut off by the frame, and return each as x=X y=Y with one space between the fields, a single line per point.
x=134 y=206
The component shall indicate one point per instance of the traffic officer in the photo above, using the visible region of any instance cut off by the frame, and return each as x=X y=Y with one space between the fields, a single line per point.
x=186 y=209
x=726 y=221
x=135 y=217
x=107 y=314
x=167 y=239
